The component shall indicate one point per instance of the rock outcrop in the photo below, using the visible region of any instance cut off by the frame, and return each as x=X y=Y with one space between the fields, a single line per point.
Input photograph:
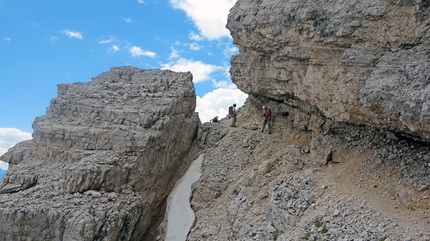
x=360 y=62
x=347 y=82
x=102 y=159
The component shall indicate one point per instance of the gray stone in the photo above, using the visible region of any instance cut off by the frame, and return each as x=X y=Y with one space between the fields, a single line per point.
x=124 y=133
x=361 y=62
x=336 y=213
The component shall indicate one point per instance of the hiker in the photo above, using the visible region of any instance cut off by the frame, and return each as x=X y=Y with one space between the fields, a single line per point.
x=232 y=113
x=267 y=119
x=214 y=120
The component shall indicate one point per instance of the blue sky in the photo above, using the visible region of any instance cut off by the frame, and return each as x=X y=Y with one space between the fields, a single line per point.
x=48 y=42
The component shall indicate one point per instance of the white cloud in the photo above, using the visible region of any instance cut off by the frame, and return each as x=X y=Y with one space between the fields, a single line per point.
x=140 y=1
x=230 y=50
x=107 y=41
x=200 y=70
x=174 y=54
x=53 y=39
x=194 y=46
x=113 y=49
x=216 y=103
x=128 y=20
x=4 y=165
x=209 y=16
x=2 y=150
x=7 y=39
x=223 y=84
x=72 y=34
x=195 y=37
x=11 y=136
x=8 y=138
x=138 y=52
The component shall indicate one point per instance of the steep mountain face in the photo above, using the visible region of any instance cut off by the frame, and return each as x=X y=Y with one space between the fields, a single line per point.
x=360 y=62
x=347 y=82
x=102 y=159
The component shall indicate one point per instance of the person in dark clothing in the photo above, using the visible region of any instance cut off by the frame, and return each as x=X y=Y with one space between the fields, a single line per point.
x=233 y=122
x=267 y=119
x=214 y=120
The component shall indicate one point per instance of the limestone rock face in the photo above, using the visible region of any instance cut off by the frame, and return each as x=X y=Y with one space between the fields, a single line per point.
x=102 y=159
x=360 y=62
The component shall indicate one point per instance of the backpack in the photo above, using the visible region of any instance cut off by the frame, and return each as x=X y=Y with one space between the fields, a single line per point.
x=230 y=111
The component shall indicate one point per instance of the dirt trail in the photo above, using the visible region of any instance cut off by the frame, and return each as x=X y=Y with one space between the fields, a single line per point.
x=357 y=174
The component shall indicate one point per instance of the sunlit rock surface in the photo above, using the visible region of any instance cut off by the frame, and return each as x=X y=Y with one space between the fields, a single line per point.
x=102 y=159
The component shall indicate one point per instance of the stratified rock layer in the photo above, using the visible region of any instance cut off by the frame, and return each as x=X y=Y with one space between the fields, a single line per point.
x=361 y=62
x=101 y=160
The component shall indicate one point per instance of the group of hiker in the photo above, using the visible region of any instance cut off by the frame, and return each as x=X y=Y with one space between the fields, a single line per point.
x=267 y=114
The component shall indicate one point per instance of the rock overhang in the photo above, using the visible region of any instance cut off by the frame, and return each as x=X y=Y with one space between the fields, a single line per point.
x=356 y=62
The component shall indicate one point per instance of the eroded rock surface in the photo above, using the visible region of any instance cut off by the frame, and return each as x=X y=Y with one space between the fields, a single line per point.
x=347 y=82
x=361 y=62
x=102 y=159
x=349 y=183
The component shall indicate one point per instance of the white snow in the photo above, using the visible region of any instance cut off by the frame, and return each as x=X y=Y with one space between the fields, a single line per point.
x=179 y=215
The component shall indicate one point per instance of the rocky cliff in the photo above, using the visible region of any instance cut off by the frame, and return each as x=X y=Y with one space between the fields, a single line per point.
x=349 y=156
x=361 y=62
x=102 y=159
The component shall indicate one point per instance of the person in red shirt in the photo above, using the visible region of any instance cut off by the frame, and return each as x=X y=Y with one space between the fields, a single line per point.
x=267 y=119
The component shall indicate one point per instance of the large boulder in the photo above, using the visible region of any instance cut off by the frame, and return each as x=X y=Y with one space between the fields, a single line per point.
x=102 y=159
x=360 y=62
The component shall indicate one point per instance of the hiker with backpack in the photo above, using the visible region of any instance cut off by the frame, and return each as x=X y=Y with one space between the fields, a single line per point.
x=267 y=119
x=232 y=113
x=214 y=120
